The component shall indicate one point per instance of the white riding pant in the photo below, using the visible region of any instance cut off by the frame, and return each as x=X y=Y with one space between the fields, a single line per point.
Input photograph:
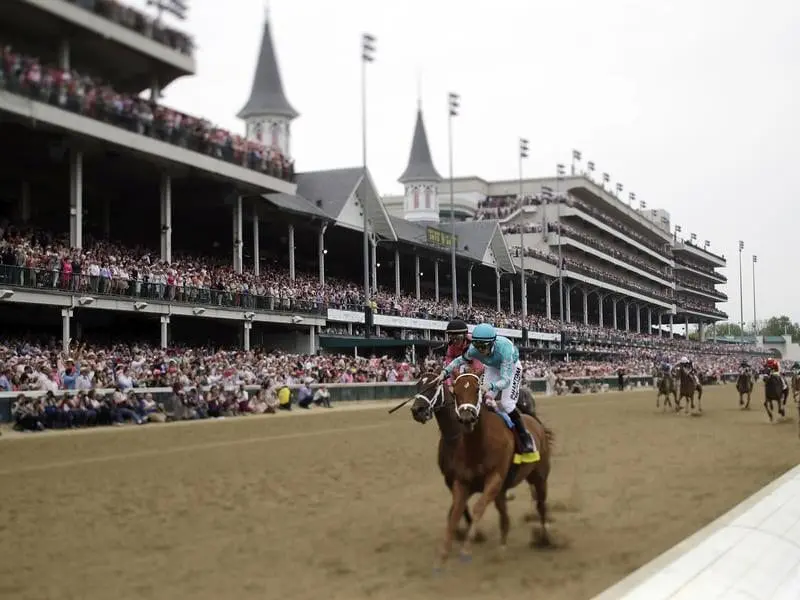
x=506 y=399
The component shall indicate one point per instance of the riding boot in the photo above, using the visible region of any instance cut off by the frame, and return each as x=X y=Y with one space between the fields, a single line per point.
x=529 y=452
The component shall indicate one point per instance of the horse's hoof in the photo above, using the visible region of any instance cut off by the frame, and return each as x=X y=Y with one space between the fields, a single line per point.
x=437 y=571
x=465 y=558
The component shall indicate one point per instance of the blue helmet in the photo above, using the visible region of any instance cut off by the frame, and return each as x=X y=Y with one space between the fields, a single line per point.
x=484 y=333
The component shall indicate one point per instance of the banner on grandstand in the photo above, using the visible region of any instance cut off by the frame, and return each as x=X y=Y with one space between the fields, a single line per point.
x=351 y=316
x=437 y=237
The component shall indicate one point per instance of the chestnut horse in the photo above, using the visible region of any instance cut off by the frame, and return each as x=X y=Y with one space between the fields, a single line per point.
x=484 y=460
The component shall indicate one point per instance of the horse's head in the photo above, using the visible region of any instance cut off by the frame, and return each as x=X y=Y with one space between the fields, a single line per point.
x=467 y=392
x=428 y=399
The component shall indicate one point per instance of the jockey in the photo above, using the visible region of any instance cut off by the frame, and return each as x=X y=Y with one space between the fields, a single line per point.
x=684 y=361
x=502 y=377
x=458 y=340
x=773 y=367
x=666 y=367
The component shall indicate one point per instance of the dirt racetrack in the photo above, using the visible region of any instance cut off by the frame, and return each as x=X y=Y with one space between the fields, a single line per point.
x=349 y=504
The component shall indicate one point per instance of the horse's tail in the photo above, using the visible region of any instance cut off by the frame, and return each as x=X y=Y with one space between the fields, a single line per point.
x=550 y=436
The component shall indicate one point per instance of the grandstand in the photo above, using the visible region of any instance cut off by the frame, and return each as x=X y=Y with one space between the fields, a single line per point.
x=113 y=205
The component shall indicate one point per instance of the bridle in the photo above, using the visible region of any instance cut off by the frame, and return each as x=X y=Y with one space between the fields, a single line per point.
x=434 y=400
x=475 y=408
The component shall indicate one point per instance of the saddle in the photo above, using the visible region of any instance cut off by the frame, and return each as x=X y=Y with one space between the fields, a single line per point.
x=519 y=447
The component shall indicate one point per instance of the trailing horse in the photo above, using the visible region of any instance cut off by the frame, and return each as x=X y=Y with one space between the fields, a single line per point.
x=744 y=385
x=485 y=459
x=795 y=387
x=666 y=387
x=774 y=392
x=687 y=386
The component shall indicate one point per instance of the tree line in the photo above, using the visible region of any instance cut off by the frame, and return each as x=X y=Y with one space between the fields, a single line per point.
x=781 y=325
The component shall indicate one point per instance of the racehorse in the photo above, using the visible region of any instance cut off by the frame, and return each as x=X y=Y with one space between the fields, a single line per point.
x=687 y=387
x=666 y=387
x=796 y=387
x=774 y=392
x=485 y=459
x=428 y=403
x=744 y=385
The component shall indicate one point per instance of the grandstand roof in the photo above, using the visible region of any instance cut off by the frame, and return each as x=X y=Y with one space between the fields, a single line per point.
x=295 y=204
x=479 y=241
x=332 y=190
x=420 y=164
x=266 y=96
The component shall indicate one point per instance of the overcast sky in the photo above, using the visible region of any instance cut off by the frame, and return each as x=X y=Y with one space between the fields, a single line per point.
x=691 y=104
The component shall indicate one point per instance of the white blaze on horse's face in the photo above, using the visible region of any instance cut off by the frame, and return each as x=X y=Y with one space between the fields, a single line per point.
x=466 y=412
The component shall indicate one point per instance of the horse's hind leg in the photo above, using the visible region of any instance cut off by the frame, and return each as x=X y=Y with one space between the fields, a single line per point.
x=505 y=522
x=538 y=485
x=699 y=400
x=767 y=406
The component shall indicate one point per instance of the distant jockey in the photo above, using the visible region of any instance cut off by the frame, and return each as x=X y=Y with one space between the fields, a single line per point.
x=458 y=341
x=773 y=367
x=685 y=362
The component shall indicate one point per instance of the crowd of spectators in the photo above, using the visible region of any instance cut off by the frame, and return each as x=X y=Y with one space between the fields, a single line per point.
x=91 y=97
x=129 y=17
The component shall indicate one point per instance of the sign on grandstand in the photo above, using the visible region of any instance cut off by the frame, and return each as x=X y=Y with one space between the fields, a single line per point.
x=437 y=237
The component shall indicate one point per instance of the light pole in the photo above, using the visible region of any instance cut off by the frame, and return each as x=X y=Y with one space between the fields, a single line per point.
x=559 y=177
x=453 y=104
x=576 y=158
x=755 y=326
x=523 y=153
x=741 y=295
x=367 y=56
x=590 y=170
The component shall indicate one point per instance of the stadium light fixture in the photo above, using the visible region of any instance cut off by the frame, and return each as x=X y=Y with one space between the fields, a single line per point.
x=755 y=321
x=741 y=293
x=453 y=104
x=576 y=158
x=367 y=56
x=85 y=300
x=523 y=154
x=619 y=188
x=559 y=176
x=706 y=244
x=606 y=179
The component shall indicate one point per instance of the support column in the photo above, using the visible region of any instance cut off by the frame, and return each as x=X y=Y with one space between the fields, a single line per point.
x=567 y=303
x=497 y=289
x=247 y=327
x=416 y=274
x=511 y=296
x=64 y=56
x=614 y=302
x=585 y=308
x=686 y=327
x=155 y=90
x=165 y=200
x=164 y=331
x=627 y=316
x=638 y=319
x=671 y=325
x=374 y=252
x=548 y=300
x=436 y=278
x=66 y=316
x=312 y=340
x=237 y=235
x=397 y=274
x=256 y=242
x=291 y=253
x=600 y=302
x=25 y=202
x=321 y=254
x=76 y=199
x=701 y=331
x=469 y=286
x=649 y=321
x=107 y=218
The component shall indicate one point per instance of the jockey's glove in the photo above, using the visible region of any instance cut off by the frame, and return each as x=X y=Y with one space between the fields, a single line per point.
x=487 y=389
x=442 y=376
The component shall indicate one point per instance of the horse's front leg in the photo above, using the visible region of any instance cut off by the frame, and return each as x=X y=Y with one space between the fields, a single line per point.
x=767 y=407
x=460 y=496
x=493 y=485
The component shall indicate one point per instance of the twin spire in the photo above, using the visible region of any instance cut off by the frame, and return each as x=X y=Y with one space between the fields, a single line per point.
x=420 y=164
x=266 y=95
